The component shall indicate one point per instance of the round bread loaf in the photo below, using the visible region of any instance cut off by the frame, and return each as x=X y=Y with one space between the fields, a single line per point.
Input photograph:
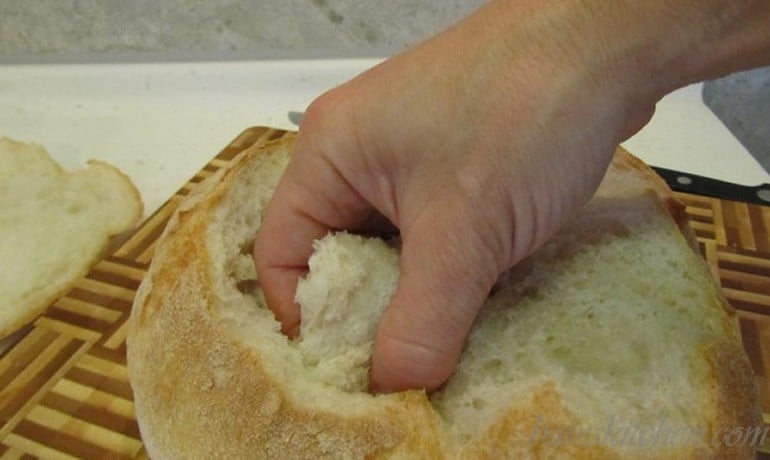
x=611 y=341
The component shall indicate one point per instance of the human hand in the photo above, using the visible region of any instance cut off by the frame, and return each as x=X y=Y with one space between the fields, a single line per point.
x=477 y=145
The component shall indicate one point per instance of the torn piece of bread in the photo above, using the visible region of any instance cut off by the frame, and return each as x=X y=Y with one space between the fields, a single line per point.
x=351 y=280
x=612 y=341
x=53 y=226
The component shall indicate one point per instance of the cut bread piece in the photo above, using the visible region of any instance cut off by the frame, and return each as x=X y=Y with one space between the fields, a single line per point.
x=53 y=226
x=610 y=341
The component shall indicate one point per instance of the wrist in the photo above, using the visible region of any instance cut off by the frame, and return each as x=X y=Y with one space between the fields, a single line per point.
x=652 y=46
x=670 y=44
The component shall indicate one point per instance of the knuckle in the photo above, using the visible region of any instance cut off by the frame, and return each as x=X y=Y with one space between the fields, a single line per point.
x=327 y=128
x=324 y=111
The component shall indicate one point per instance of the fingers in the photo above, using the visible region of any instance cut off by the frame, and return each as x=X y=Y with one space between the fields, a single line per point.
x=377 y=225
x=281 y=256
x=445 y=278
x=310 y=200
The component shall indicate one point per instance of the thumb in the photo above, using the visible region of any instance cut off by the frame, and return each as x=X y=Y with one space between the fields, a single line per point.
x=445 y=278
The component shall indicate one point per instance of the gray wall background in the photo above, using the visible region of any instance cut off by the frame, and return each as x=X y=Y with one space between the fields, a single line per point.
x=216 y=26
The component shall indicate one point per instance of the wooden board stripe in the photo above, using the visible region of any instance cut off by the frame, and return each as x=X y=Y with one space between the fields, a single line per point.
x=64 y=387
x=33 y=381
x=734 y=240
x=66 y=329
x=87 y=309
x=93 y=414
x=75 y=445
x=115 y=386
x=35 y=450
x=147 y=232
x=116 y=275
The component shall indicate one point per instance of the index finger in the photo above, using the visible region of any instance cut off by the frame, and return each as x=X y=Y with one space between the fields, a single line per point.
x=311 y=199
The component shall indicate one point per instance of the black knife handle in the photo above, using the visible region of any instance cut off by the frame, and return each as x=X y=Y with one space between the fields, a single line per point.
x=699 y=185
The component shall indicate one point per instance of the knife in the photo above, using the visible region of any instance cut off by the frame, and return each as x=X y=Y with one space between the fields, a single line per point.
x=707 y=186
x=295 y=117
x=682 y=182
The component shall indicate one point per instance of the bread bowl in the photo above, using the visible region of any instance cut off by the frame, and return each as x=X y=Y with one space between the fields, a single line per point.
x=615 y=325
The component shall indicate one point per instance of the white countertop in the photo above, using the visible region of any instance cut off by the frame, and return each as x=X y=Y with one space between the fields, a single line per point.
x=161 y=122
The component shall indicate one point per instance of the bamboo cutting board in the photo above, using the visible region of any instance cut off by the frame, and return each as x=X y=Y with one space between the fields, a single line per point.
x=64 y=389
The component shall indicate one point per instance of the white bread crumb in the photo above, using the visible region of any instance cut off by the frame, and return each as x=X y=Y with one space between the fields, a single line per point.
x=351 y=281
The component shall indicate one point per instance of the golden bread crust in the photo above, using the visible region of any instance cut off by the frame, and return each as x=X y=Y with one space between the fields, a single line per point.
x=201 y=393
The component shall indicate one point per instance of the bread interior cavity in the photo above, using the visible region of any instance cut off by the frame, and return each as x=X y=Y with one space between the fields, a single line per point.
x=593 y=312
